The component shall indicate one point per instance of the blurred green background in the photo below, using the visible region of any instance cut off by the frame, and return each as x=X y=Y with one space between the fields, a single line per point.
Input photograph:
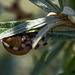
x=23 y=65
x=25 y=5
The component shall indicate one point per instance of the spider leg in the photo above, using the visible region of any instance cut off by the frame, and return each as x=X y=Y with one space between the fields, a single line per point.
x=42 y=43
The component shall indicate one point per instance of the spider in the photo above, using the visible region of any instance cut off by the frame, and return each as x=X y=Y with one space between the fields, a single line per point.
x=21 y=44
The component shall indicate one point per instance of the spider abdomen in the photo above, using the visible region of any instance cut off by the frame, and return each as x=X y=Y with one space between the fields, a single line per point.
x=16 y=42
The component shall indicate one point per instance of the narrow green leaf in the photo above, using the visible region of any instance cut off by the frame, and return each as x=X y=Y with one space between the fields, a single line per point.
x=61 y=4
x=10 y=24
x=72 y=4
x=62 y=37
x=71 y=65
x=68 y=33
x=62 y=32
x=68 y=56
x=67 y=2
x=54 y=5
x=6 y=25
x=63 y=28
x=27 y=25
x=54 y=53
x=50 y=5
x=64 y=3
x=41 y=5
